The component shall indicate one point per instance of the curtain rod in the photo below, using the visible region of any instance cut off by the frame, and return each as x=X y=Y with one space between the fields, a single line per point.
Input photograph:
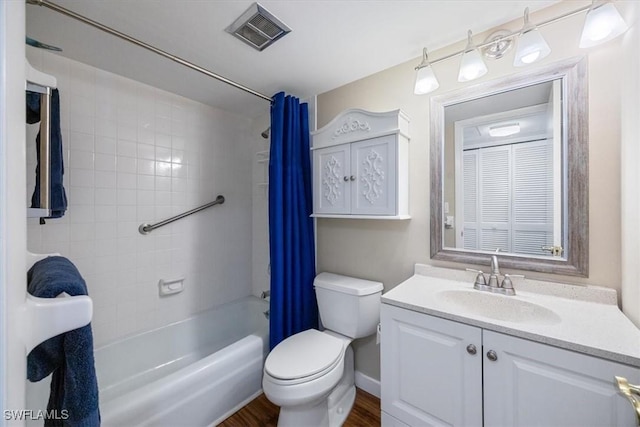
x=147 y=46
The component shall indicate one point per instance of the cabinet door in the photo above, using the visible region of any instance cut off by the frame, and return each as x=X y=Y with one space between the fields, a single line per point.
x=373 y=176
x=532 y=384
x=428 y=377
x=330 y=169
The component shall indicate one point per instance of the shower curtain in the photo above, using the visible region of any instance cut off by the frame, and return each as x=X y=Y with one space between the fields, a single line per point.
x=293 y=305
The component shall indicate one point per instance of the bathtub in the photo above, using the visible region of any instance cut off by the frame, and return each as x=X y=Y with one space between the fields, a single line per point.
x=195 y=372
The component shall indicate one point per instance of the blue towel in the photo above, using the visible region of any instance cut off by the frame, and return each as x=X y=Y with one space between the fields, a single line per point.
x=69 y=356
x=58 y=196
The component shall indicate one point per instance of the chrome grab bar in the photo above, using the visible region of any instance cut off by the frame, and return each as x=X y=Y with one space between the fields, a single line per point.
x=148 y=228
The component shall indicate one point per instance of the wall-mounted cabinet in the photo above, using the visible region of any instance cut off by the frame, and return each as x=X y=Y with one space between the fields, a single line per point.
x=438 y=372
x=361 y=166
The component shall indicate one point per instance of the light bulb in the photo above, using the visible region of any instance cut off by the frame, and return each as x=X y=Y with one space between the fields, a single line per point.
x=471 y=65
x=531 y=57
x=426 y=80
x=532 y=46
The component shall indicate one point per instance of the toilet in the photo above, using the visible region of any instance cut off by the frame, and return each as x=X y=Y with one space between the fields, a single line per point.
x=310 y=375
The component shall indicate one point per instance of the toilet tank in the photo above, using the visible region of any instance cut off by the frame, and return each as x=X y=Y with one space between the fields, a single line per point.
x=347 y=305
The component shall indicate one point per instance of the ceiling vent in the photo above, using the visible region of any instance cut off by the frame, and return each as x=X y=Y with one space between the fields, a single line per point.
x=257 y=27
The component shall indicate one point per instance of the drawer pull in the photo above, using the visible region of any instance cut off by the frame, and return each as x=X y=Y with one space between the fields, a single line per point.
x=631 y=392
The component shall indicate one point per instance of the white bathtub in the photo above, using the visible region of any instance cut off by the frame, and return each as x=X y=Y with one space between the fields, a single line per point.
x=191 y=373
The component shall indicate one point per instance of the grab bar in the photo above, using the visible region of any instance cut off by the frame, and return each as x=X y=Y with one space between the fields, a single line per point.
x=148 y=228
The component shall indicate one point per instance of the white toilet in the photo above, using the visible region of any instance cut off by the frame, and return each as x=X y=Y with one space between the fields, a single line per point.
x=310 y=375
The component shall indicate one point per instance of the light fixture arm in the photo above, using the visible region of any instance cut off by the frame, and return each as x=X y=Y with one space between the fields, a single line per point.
x=528 y=26
x=425 y=60
x=470 y=45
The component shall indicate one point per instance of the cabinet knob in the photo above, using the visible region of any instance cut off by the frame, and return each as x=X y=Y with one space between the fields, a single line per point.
x=491 y=355
x=353 y=178
x=471 y=349
x=346 y=178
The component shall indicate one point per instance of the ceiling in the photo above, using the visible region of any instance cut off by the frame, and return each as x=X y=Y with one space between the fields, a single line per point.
x=331 y=44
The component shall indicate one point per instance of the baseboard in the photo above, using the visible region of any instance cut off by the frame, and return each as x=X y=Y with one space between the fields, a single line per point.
x=368 y=384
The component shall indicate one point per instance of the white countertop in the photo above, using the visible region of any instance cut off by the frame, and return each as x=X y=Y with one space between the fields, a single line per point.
x=589 y=321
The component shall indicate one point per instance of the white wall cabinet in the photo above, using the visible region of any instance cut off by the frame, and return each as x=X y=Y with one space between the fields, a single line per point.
x=360 y=166
x=437 y=372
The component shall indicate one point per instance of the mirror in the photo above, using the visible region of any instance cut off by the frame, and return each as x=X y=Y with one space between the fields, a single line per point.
x=509 y=171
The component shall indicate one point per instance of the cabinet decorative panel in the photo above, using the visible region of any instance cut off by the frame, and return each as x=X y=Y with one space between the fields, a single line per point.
x=428 y=377
x=536 y=384
x=331 y=166
x=374 y=163
x=369 y=177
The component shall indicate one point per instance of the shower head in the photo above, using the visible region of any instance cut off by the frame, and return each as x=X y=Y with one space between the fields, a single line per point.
x=265 y=134
x=36 y=43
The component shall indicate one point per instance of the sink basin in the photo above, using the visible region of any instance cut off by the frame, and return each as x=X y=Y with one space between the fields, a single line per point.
x=497 y=307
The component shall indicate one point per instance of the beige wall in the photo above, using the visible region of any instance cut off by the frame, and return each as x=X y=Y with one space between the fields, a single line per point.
x=387 y=250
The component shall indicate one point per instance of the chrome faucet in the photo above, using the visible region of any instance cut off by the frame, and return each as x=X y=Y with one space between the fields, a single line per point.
x=494 y=285
x=495 y=272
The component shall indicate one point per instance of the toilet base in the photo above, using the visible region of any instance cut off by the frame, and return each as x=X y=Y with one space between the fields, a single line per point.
x=340 y=411
x=328 y=411
x=316 y=414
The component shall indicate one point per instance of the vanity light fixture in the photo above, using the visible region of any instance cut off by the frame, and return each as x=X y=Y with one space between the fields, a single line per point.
x=532 y=46
x=471 y=65
x=504 y=130
x=426 y=80
x=603 y=23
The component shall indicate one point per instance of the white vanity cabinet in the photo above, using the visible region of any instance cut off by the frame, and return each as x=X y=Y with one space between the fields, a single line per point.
x=438 y=372
x=428 y=376
x=360 y=166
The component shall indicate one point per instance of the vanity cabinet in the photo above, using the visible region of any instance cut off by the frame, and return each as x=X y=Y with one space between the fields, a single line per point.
x=360 y=166
x=438 y=372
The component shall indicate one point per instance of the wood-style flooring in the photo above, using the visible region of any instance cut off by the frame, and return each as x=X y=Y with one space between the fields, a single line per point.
x=262 y=413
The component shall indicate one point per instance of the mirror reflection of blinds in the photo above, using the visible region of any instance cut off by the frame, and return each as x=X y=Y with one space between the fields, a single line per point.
x=509 y=197
x=470 y=176
x=533 y=197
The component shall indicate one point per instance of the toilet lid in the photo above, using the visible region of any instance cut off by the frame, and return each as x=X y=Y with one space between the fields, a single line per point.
x=304 y=354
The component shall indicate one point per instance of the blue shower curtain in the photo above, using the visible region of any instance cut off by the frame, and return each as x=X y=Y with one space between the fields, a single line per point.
x=293 y=305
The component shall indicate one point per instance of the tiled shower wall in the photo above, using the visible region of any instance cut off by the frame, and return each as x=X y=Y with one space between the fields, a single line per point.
x=137 y=154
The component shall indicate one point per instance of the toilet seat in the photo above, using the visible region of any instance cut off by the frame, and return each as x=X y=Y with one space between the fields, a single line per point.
x=304 y=357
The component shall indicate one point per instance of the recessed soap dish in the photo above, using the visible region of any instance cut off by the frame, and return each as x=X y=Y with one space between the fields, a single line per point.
x=170 y=287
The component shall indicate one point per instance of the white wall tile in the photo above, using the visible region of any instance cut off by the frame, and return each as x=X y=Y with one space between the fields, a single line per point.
x=146 y=167
x=105 y=162
x=81 y=177
x=146 y=182
x=139 y=154
x=81 y=141
x=105 y=196
x=105 y=179
x=127 y=148
x=146 y=151
x=105 y=144
x=126 y=164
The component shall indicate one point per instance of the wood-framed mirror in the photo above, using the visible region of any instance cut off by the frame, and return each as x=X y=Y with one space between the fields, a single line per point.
x=509 y=171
